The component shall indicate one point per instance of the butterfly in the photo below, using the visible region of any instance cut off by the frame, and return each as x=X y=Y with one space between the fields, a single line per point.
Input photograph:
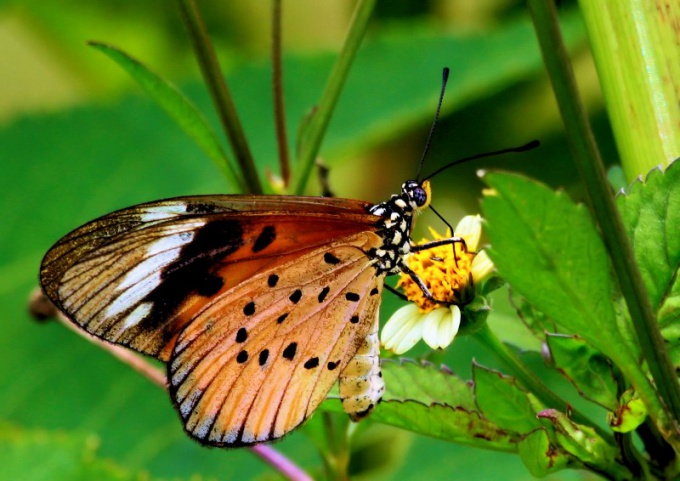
x=256 y=304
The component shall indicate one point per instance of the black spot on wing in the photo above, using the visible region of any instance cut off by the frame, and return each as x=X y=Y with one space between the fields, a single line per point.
x=249 y=309
x=242 y=357
x=273 y=280
x=242 y=335
x=289 y=351
x=212 y=242
x=282 y=318
x=324 y=292
x=210 y=285
x=330 y=258
x=264 y=355
x=265 y=238
x=352 y=296
x=311 y=363
x=354 y=319
x=332 y=365
x=374 y=291
x=296 y=296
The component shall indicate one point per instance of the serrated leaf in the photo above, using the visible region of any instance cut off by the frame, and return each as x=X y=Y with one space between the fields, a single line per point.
x=180 y=109
x=651 y=214
x=550 y=252
x=408 y=380
x=436 y=403
x=539 y=456
x=502 y=401
x=586 y=368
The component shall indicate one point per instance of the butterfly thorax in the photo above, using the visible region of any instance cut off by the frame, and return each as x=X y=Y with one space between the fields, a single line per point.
x=395 y=225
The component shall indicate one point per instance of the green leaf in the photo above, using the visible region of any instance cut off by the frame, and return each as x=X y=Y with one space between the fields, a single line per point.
x=550 y=252
x=583 y=443
x=434 y=402
x=537 y=322
x=651 y=214
x=423 y=382
x=539 y=456
x=502 y=401
x=586 y=368
x=180 y=109
x=631 y=413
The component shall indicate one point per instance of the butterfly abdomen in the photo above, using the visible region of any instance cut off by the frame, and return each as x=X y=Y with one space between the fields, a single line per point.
x=361 y=384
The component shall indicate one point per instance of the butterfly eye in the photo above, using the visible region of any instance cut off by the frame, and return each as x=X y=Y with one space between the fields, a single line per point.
x=419 y=196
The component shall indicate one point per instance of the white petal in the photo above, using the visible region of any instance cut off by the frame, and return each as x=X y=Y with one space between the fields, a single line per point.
x=481 y=266
x=440 y=326
x=397 y=320
x=403 y=329
x=470 y=229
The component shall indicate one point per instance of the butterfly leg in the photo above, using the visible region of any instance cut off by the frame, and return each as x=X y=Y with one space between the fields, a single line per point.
x=441 y=242
x=396 y=293
x=416 y=278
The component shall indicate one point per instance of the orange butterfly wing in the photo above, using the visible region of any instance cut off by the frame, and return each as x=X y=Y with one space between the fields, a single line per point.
x=134 y=277
x=257 y=360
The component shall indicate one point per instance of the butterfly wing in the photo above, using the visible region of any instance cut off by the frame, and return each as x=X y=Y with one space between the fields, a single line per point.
x=137 y=276
x=256 y=361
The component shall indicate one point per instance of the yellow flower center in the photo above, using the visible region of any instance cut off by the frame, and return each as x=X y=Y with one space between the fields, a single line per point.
x=448 y=280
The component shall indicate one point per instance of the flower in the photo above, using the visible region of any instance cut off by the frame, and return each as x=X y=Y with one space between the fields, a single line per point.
x=450 y=280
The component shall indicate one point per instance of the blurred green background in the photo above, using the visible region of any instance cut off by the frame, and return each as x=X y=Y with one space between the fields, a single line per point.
x=78 y=139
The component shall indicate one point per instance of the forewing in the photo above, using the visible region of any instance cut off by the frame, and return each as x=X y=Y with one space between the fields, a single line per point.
x=134 y=277
x=258 y=359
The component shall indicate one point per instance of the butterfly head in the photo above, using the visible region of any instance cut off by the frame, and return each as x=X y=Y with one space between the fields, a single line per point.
x=418 y=194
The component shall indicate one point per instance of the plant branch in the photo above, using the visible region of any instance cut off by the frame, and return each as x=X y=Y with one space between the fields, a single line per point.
x=277 y=86
x=224 y=104
x=592 y=173
x=312 y=138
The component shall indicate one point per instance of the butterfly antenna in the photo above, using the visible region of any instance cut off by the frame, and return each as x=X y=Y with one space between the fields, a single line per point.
x=445 y=78
x=522 y=148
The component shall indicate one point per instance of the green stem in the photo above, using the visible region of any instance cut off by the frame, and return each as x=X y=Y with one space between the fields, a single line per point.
x=277 y=86
x=602 y=204
x=528 y=379
x=636 y=50
x=219 y=92
x=337 y=454
x=311 y=142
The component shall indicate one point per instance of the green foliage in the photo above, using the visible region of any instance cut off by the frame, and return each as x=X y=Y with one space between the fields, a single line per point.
x=39 y=455
x=515 y=411
x=651 y=213
x=539 y=455
x=589 y=371
x=544 y=245
x=179 y=108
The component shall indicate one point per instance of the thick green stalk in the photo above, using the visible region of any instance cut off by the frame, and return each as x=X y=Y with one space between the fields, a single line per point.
x=210 y=68
x=637 y=55
x=528 y=379
x=311 y=141
x=601 y=200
